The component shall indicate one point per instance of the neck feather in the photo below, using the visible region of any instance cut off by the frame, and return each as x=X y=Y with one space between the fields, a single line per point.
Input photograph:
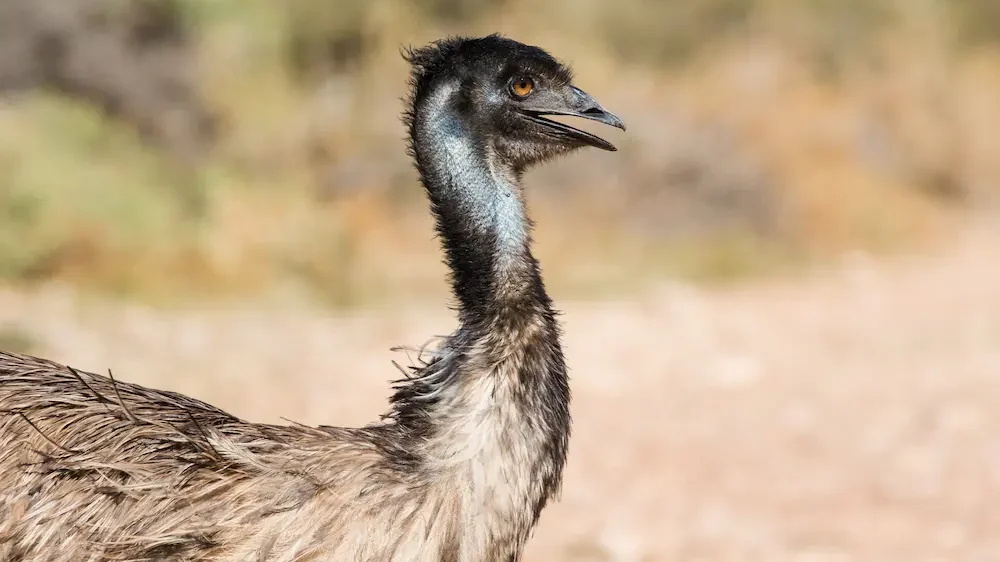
x=479 y=206
x=491 y=407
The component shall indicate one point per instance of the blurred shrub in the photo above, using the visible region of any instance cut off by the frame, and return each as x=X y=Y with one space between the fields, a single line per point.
x=77 y=194
x=671 y=31
x=331 y=37
x=737 y=155
x=830 y=33
x=324 y=37
x=977 y=21
x=457 y=11
x=674 y=31
x=133 y=60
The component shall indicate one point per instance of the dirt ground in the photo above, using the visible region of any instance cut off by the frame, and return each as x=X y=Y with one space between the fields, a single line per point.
x=853 y=415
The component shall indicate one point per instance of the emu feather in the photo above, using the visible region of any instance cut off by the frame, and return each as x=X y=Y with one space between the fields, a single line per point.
x=458 y=469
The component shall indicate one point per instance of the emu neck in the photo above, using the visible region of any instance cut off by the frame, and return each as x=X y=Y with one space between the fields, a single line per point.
x=478 y=202
x=493 y=413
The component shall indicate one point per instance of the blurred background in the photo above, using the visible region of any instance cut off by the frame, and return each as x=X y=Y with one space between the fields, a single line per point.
x=782 y=294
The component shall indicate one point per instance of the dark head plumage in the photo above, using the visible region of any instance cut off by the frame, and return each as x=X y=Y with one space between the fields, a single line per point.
x=462 y=54
x=501 y=90
x=476 y=120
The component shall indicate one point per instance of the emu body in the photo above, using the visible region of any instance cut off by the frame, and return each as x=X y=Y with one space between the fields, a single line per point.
x=459 y=468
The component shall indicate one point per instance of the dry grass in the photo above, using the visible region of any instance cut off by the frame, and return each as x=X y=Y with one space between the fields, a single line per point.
x=849 y=415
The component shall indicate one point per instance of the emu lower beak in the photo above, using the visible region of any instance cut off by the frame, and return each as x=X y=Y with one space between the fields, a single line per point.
x=575 y=103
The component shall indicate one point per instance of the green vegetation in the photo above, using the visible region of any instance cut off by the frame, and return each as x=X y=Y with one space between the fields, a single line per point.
x=863 y=110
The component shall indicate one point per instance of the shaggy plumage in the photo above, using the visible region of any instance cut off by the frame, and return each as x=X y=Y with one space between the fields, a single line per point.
x=458 y=469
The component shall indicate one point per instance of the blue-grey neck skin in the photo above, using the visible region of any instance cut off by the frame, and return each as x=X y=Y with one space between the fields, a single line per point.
x=478 y=203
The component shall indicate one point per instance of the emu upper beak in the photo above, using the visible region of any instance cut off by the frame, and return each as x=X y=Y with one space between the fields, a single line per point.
x=573 y=102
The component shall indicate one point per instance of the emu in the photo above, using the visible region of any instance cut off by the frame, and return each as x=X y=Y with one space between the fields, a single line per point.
x=474 y=441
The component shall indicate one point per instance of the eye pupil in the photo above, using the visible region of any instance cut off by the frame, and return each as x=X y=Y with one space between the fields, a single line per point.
x=522 y=86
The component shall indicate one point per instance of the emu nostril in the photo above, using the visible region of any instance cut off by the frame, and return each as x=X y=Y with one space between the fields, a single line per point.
x=601 y=115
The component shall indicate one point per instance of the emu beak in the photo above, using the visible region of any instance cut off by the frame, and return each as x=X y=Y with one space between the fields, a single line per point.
x=573 y=102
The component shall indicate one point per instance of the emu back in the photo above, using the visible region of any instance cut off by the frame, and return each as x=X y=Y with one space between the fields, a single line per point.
x=96 y=469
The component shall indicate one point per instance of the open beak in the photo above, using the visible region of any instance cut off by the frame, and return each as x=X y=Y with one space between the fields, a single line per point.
x=574 y=103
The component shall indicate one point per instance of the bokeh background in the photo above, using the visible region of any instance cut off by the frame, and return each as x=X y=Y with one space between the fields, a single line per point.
x=782 y=294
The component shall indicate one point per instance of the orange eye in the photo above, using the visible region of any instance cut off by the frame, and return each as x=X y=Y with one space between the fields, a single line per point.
x=522 y=86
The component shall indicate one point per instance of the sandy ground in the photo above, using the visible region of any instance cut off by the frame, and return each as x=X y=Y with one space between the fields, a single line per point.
x=852 y=415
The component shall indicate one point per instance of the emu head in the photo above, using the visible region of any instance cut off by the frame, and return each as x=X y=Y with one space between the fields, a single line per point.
x=501 y=92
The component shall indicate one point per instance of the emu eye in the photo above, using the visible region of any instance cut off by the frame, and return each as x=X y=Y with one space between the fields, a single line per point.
x=522 y=86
